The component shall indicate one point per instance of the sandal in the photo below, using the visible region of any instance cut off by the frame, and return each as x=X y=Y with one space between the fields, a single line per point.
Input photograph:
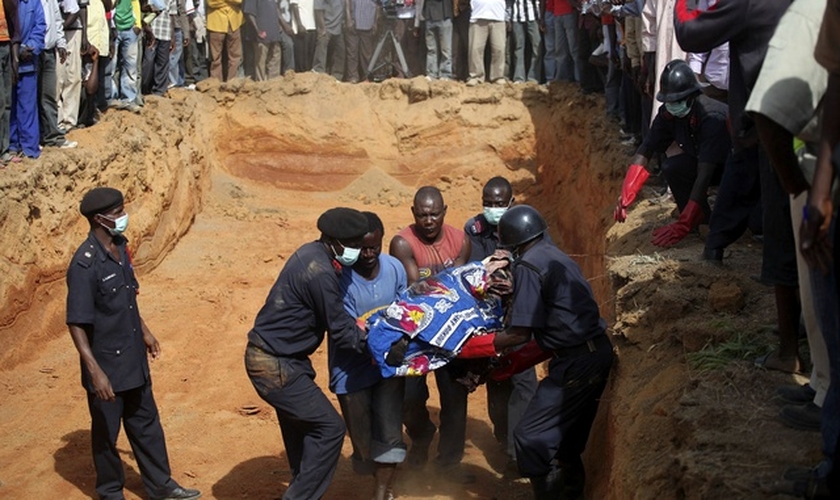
x=772 y=361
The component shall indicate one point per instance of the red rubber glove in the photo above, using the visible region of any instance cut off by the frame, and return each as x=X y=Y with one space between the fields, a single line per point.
x=691 y=217
x=479 y=346
x=633 y=182
x=520 y=360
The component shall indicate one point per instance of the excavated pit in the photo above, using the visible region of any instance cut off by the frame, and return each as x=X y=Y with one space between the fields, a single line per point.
x=222 y=185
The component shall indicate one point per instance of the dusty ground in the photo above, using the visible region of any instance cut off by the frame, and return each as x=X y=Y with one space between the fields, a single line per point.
x=225 y=183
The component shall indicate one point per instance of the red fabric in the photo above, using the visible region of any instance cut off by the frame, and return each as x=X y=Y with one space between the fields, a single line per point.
x=691 y=217
x=607 y=20
x=434 y=258
x=684 y=15
x=562 y=7
x=520 y=360
x=479 y=346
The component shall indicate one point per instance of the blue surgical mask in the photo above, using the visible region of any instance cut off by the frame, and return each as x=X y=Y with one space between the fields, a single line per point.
x=348 y=257
x=494 y=214
x=679 y=109
x=120 y=225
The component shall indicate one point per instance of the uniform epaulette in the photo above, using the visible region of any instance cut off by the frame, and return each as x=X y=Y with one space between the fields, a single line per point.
x=84 y=257
x=475 y=226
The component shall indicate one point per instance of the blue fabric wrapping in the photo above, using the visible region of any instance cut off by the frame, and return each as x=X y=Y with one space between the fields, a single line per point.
x=438 y=314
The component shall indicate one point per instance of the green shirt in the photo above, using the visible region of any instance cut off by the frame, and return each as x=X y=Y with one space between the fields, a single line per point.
x=124 y=15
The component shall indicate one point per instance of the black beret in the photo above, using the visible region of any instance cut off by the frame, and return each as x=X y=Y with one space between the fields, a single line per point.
x=343 y=223
x=100 y=200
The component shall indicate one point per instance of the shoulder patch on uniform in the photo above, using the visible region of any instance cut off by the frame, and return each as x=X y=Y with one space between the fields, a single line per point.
x=84 y=257
x=475 y=226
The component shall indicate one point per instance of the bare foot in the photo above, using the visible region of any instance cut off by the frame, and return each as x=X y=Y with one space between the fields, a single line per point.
x=772 y=361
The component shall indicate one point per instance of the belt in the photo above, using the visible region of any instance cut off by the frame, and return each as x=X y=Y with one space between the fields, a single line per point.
x=587 y=347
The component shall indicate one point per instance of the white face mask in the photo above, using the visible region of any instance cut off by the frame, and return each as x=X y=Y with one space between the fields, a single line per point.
x=494 y=214
x=120 y=225
x=348 y=257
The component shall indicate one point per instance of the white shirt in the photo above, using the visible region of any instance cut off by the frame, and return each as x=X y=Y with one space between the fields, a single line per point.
x=487 y=10
x=55 y=25
x=306 y=9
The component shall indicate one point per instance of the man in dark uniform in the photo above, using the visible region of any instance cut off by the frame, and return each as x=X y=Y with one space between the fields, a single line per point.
x=305 y=302
x=506 y=399
x=690 y=129
x=113 y=342
x=553 y=303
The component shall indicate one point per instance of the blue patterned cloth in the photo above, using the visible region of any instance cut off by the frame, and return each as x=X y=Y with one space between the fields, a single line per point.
x=438 y=314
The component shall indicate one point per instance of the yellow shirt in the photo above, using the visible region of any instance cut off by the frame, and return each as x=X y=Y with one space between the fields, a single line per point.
x=224 y=16
x=97 y=28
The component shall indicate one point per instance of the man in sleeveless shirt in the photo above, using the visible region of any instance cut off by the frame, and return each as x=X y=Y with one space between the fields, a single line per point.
x=425 y=248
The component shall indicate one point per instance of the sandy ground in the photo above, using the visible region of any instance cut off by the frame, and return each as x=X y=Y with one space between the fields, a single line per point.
x=224 y=184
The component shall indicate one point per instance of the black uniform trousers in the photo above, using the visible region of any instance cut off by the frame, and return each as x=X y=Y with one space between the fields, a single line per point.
x=312 y=430
x=136 y=409
x=738 y=198
x=681 y=171
x=557 y=423
x=453 y=416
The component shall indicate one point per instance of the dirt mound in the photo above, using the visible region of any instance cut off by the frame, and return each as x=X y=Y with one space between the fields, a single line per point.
x=225 y=183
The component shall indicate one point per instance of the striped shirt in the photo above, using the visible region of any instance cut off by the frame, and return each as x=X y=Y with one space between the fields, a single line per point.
x=523 y=11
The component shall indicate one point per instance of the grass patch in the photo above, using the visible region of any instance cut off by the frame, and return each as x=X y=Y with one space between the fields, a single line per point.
x=738 y=348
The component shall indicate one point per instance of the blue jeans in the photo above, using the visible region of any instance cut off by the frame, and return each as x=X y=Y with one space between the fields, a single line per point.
x=374 y=422
x=519 y=30
x=176 y=78
x=439 y=36
x=127 y=47
x=826 y=301
x=567 y=47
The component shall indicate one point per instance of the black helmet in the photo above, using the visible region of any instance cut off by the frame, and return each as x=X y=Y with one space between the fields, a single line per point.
x=520 y=224
x=677 y=82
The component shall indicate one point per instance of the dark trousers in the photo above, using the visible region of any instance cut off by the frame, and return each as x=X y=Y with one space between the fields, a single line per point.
x=680 y=171
x=453 y=414
x=738 y=197
x=50 y=134
x=304 y=47
x=137 y=411
x=195 y=62
x=374 y=422
x=5 y=94
x=778 y=258
x=507 y=402
x=556 y=424
x=156 y=57
x=312 y=430
x=461 y=45
x=359 y=52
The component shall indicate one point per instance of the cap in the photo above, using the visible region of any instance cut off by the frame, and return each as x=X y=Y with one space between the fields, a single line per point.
x=99 y=200
x=343 y=223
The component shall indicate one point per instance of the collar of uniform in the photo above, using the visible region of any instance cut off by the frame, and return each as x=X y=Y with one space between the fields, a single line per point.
x=102 y=251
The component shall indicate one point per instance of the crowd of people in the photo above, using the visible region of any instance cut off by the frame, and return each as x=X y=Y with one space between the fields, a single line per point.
x=738 y=94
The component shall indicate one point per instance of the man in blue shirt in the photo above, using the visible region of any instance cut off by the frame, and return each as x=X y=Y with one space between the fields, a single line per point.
x=371 y=405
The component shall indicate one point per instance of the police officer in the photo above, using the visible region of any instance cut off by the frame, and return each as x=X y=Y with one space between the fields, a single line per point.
x=553 y=308
x=506 y=399
x=113 y=342
x=305 y=302
x=690 y=129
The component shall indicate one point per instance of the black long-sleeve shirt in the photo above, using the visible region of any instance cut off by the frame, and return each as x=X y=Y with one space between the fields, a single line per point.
x=303 y=304
x=748 y=26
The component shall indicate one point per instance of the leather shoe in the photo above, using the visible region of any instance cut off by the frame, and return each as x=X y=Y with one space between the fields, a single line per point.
x=180 y=493
x=805 y=417
x=796 y=394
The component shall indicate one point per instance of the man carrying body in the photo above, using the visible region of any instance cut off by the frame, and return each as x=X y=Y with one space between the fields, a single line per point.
x=425 y=248
x=553 y=307
x=508 y=399
x=371 y=405
x=113 y=342
x=690 y=129
x=303 y=303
